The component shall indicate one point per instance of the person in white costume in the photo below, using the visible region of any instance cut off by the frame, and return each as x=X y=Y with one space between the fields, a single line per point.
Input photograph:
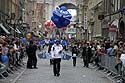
x=56 y=51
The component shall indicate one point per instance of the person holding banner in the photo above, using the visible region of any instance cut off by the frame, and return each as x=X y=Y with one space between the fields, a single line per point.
x=56 y=51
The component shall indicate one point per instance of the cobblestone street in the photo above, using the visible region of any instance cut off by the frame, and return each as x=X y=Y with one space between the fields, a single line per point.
x=69 y=74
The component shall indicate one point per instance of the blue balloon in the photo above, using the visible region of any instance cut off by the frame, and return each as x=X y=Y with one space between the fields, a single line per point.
x=65 y=23
x=54 y=19
x=67 y=16
x=24 y=40
x=4 y=58
x=63 y=8
x=61 y=17
x=59 y=25
x=57 y=14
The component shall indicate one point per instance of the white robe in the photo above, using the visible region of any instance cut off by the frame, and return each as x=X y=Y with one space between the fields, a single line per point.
x=55 y=51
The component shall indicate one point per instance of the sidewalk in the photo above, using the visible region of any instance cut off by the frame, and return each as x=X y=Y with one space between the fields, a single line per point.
x=12 y=77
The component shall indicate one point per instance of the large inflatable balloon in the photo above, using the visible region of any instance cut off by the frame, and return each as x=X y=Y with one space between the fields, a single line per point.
x=61 y=17
x=50 y=26
x=4 y=58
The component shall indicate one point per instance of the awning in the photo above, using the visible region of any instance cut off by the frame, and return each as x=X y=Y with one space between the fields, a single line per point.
x=1 y=25
x=10 y=27
x=18 y=31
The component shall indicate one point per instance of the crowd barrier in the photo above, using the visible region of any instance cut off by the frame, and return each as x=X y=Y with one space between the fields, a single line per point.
x=13 y=63
x=108 y=63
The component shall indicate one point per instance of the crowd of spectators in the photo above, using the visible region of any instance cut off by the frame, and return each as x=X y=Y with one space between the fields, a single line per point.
x=99 y=48
x=13 y=48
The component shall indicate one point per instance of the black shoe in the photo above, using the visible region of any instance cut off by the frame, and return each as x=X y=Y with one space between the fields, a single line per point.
x=87 y=66
x=55 y=75
x=58 y=75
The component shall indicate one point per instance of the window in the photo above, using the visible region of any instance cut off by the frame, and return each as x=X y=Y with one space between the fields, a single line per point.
x=122 y=3
x=105 y=7
x=119 y=1
x=0 y=4
x=115 y=5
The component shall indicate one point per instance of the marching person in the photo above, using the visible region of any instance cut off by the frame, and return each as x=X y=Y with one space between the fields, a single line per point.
x=49 y=50
x=74 y=54
x=31 y=52
x=56 y=51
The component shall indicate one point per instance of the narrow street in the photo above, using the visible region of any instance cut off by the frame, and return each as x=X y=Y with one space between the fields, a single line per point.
x=93 y=29
x=69 y=74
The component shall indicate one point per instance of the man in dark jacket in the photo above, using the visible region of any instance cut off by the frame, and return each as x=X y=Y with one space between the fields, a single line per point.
x=31 y=52
x=74 y=54
x=87 y=54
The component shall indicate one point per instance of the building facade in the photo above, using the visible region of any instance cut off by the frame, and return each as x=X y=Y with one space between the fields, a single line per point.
x=7 y=7
x=110 y=24
x=35 y=10
x=103 y=18
x=10 y=9
x=92 y=26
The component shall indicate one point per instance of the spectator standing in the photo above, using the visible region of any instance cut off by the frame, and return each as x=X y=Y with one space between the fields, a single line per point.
x=87 y=54
x=31 y=52
x=4 y=48
x=74 y=54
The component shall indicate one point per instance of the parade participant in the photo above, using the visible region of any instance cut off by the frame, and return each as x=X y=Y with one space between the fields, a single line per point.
x=56 y=51
x=31 y=52
x=51 y=42
x=74 y=54
x=87 y=54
